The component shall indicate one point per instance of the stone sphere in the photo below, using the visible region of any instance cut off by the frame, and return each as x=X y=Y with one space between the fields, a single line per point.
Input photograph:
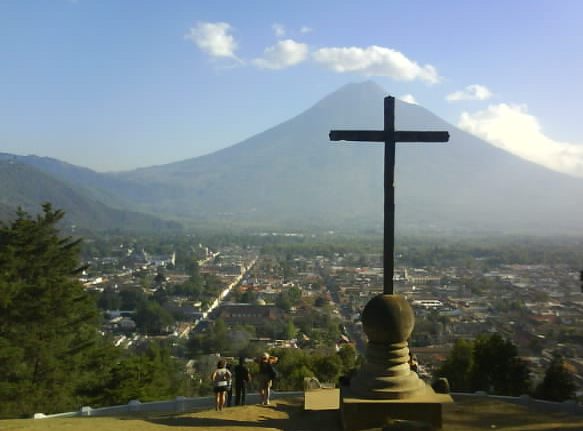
x=388 y=319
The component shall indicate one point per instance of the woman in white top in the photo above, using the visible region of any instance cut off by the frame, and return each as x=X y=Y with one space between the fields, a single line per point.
x=221 y=378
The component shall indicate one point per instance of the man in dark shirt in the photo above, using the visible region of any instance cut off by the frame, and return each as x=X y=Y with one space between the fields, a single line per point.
x=242 y=378
x=230 y=387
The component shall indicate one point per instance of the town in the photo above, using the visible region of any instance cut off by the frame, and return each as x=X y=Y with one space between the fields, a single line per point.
x=285 y=294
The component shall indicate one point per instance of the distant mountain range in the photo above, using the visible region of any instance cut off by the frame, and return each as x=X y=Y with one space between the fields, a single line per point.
x=25 y=186
x=291 y=176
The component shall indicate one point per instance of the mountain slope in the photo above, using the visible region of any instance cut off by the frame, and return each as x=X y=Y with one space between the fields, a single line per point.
x=103 y=187
x=292 y=173
x=24 y=186
x=292 y=176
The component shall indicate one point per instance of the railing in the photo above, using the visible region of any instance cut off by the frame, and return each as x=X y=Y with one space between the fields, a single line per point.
x=178 y=405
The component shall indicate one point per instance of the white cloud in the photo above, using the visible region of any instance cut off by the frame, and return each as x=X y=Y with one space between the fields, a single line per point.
x=471 y=92
x=284 y=53
x=409 y=98
x=278 y=29
x=305 y=29
x=214 y=38
x=512 y=128
x=375 y=61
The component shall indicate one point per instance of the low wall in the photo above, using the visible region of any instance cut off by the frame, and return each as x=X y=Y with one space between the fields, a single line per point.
x=183 y=405
x=178 y=405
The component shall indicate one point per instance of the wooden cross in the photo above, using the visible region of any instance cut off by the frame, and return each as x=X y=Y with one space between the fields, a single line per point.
x=390 y=137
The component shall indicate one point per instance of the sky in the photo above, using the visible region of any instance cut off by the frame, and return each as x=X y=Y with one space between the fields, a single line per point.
x=120 y=84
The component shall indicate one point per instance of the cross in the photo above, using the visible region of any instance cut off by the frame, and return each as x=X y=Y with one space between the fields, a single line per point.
x=390 y=137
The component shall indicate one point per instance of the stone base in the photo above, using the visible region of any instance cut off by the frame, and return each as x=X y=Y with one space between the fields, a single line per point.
x=322 y=399
x=361 y=414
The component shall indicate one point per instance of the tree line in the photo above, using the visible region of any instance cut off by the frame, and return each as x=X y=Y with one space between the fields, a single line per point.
x=491 y=363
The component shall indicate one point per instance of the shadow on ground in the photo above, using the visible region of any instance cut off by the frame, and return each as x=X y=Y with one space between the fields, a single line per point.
x=285 y=417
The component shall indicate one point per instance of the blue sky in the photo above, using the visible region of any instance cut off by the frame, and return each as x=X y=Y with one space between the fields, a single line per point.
x=120 y=84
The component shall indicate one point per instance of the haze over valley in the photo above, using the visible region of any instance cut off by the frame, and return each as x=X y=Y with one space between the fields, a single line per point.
x=292 y=176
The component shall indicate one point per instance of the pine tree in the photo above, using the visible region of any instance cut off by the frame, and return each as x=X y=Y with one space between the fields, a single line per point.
x=147 y=376
x=48 y=324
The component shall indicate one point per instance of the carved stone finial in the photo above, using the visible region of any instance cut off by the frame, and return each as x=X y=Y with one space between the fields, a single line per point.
x=388 y=321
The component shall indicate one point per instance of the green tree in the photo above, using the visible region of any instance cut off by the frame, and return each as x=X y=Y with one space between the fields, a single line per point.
x=290 y=330
x=295 y=294
x=109 y=299
x=191 y=288
x=220 y=339
x=48 y=324
x=558 y=383
x=497 y=368
x=457 y=366
x=131 y=297
x=347 y=355
x=147 y=376
x=327 y=367
x=214 y=340
x=293 y=366
x=490 y=363
x=283 y=302
x=152 y=319
x=249 y=296
x=100 y=361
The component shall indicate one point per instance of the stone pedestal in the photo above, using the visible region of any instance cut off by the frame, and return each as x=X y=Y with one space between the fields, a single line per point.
x=362 y=414
x=385 y=388
x=322 y=399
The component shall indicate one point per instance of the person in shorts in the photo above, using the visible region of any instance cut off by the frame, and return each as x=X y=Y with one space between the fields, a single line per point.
x=266 y=376
x=221 y=379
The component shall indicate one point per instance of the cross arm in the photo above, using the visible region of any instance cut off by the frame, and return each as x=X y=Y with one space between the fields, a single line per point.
x=357 y=135
x=380 y=136
x=406 y=136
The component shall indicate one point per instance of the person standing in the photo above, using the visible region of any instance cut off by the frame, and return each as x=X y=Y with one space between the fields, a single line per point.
x=242 y=379
x=266 y=376
x=229 y=395
x=221 y=379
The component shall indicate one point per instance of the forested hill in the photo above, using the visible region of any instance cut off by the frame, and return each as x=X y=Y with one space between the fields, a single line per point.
x=24 y=186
